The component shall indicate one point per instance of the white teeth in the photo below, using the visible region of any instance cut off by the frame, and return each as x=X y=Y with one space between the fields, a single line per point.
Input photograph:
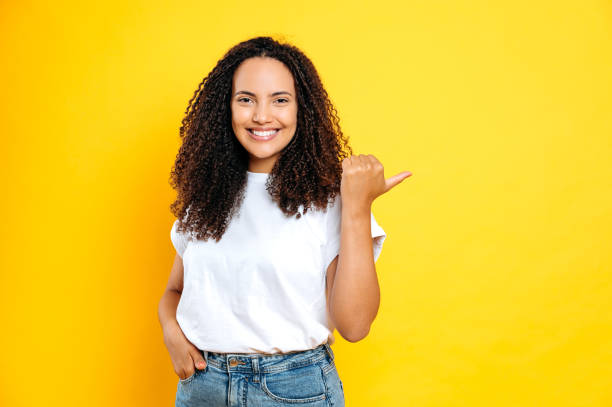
x=264 y=133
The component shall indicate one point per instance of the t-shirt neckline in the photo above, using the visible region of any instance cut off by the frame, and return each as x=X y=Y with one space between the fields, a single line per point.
x=258 y=176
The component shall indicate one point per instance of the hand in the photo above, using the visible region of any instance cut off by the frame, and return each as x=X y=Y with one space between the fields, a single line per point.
x=184 y=355
x=363 y=179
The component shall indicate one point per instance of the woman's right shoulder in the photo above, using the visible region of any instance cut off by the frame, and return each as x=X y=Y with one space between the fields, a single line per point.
x=179 y=239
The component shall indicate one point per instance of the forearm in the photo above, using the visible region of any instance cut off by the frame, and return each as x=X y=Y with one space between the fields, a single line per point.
x=355 y=295
x=167 y=310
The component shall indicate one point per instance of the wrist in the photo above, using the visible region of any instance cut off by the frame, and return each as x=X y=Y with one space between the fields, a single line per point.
x=357 y=208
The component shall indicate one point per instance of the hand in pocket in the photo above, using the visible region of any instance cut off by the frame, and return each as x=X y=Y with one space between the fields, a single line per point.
x=186 y=358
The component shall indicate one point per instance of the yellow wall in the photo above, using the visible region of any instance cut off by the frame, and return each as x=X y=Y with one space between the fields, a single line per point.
x=495 y=277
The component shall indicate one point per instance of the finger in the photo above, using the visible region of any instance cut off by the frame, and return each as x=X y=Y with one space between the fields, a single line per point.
x=198 y=360
x=188 y=369
x=346 y=162
x=188 y=373
x=366 y=162
x=372 y=159
x=360 y=161
x=396 y=179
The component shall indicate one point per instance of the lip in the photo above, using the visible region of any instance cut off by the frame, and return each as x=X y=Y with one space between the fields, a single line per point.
x=261 y=138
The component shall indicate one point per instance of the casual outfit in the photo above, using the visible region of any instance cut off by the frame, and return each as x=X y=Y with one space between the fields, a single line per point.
x=259 y=294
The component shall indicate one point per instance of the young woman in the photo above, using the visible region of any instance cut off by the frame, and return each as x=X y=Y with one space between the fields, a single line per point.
x=276 y=242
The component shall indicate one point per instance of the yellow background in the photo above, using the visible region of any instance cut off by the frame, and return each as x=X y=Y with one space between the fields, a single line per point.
x=495 y=276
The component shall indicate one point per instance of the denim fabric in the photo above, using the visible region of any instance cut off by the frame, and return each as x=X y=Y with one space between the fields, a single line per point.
x=307 y=378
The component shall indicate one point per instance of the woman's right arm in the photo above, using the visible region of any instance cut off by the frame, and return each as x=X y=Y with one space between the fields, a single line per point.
x=170 y=299
x=184 y=355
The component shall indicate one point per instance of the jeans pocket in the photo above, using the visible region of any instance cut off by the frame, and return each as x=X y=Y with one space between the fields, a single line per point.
x=195 y=373
x=188 y=379
x=299 y=385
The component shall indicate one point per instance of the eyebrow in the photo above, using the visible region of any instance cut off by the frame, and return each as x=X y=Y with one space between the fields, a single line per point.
x=282 y=92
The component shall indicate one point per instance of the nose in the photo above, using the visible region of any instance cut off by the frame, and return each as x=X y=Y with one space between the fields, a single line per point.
x=261 y=114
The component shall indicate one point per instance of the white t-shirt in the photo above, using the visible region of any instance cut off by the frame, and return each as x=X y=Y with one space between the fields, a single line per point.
x=261 y=288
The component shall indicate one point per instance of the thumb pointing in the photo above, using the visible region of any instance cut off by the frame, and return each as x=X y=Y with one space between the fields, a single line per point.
x=396 y=179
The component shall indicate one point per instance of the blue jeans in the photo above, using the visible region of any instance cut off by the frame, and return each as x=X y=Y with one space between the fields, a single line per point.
x=308 y=378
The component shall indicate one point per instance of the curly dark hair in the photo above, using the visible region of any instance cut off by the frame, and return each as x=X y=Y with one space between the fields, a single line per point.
x=210 y=171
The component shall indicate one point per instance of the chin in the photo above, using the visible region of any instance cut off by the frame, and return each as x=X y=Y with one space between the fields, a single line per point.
x=264 y=151
x=262 y=154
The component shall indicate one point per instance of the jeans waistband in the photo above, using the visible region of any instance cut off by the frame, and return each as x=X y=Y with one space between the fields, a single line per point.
x=267 y=363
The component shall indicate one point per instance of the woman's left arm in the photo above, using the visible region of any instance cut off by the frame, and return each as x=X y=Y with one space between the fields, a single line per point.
x=354 y=294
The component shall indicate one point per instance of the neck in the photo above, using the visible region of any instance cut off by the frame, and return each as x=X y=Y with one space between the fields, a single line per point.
x=264 y=165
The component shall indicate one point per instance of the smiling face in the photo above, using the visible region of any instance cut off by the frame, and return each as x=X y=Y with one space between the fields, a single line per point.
x=264 y=110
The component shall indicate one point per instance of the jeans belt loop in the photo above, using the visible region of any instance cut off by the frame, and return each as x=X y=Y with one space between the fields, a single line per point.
x=255 y=365
x=329 y=351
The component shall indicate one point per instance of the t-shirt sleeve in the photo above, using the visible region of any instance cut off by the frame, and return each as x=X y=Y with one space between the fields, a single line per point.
x=179 y=240
x=333 y=225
